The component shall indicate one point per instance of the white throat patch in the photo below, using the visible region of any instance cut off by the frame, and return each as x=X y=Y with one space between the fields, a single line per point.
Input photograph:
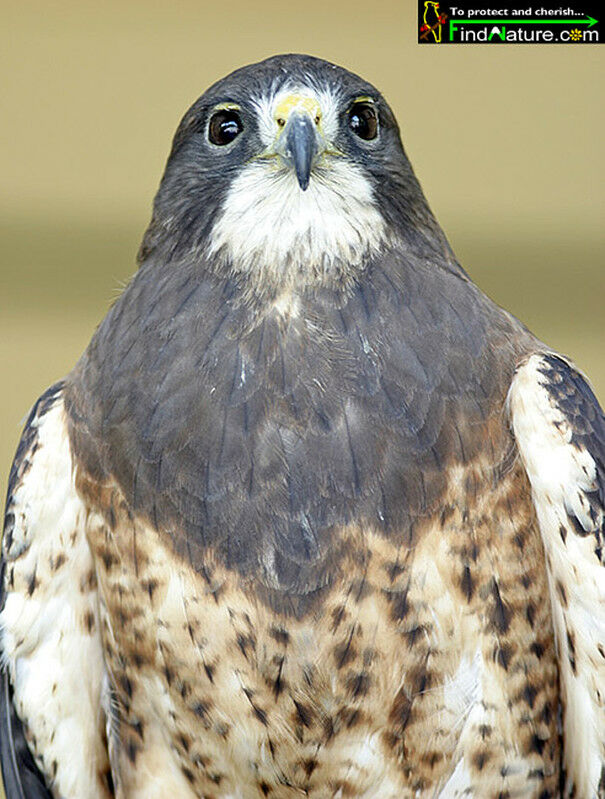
x=269 y=226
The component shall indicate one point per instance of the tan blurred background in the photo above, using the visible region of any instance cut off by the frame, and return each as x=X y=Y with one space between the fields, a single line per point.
x=507 y=141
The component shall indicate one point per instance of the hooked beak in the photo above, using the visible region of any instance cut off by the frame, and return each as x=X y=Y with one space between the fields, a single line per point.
x=299 y=141
x=301 y=146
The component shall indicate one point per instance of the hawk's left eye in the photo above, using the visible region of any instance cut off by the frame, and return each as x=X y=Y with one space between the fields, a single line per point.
x=363 y=121
x=225 y=125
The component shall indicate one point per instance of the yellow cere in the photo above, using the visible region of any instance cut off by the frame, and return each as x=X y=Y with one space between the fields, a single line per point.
x=227 y=107
x=297 y=102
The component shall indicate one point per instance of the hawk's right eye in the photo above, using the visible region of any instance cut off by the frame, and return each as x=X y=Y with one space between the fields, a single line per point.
x=363 y=121
x=225 y=125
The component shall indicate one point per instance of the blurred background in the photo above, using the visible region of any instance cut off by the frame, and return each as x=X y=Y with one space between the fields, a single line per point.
x=507 y=142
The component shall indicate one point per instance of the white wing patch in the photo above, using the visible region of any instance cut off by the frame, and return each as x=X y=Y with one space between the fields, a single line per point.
x=562 y=475
x=49 y=626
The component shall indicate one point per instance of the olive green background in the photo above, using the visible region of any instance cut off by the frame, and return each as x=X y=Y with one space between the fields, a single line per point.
x=507 y=142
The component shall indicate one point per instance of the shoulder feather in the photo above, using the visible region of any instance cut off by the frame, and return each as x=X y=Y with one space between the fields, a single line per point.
x=560 y=432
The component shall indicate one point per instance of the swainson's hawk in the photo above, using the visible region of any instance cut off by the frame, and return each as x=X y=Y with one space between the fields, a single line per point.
x=311 y=516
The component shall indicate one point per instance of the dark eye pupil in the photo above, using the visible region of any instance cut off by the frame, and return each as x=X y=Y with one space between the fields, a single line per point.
x=363 y=121
x=224 y=127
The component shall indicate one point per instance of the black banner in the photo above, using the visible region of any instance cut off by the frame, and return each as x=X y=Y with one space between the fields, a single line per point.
x=468 y=22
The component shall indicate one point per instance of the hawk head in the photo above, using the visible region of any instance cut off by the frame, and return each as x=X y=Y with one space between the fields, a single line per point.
x=289 y=171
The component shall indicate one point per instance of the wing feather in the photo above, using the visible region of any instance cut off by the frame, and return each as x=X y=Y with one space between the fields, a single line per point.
x=52 y=739
x=22 y=778
x=560 y=431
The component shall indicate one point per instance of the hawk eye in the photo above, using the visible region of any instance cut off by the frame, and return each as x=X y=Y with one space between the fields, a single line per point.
x=225 y=125
x=363 y=121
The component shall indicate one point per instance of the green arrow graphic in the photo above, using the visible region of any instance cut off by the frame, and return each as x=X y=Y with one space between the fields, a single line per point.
x=590 y=21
